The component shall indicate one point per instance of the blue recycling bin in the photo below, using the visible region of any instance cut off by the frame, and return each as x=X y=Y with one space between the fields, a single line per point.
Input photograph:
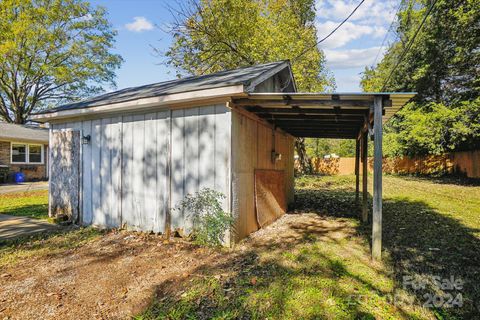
x=19 y=177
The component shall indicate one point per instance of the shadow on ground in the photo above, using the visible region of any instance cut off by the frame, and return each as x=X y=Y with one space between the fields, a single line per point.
x=282 y=274
x=458 y=180
x=421 y=244
x=320 y=268
x=33 y=204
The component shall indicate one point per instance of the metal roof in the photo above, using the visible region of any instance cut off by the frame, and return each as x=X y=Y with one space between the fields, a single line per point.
x=243 y=76
x=17 y=132
x=322 y=115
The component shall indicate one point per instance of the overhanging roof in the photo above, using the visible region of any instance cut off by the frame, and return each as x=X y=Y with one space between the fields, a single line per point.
x=223 y=83
x=322 y=115
x=20 y=133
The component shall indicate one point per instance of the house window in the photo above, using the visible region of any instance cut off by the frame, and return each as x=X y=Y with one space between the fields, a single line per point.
x=27 y=153
x=19 y=153
x=35 y=153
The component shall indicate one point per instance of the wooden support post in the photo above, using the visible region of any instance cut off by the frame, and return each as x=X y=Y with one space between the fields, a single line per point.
x=377 y=181
x=364 y=176
x=357 y=170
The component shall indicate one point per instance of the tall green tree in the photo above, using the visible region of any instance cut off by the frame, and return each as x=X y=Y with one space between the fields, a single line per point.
x=214 y=35
x=442 y=66
x=52 y=51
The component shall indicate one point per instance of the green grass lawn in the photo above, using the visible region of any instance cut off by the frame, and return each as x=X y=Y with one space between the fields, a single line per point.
x=33 y=204
x=430 y=229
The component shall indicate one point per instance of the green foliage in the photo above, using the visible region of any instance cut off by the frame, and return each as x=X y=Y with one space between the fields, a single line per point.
x=52 y=51
x=433 y=128
x=317 y=148
x=214 y=35
x=442 y=66
x=210 y=222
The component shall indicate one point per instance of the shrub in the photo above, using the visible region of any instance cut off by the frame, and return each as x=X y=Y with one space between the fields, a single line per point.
x=210 y=222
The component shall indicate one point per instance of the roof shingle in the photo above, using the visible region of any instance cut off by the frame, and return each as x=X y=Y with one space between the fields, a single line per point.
x=215 y=80
x=18 y=132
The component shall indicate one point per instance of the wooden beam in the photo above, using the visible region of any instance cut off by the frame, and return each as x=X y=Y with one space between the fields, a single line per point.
x=313 y=133
x=322 y=135
x=299 y=125
x=299 y=111
x=377 y=181
x=365 y=176
x=332 y=130
x=299 y=117
x=357 y=171
x=245 y=102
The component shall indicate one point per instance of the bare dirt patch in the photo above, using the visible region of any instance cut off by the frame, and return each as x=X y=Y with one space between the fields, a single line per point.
x=112 y=278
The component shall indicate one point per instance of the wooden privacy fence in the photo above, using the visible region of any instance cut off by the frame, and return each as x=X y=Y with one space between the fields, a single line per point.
x=465 y=162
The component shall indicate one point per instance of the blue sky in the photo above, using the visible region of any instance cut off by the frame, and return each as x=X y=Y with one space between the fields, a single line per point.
x=141 y=24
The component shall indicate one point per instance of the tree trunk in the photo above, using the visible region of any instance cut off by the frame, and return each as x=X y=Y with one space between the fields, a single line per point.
x=305 y=165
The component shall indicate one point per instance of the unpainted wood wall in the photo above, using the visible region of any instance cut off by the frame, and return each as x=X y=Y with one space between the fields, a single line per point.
x=252 y=144
x=138 y=166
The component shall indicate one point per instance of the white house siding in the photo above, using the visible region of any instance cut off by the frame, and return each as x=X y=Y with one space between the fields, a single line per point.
x=138 y=166
x=252 y=142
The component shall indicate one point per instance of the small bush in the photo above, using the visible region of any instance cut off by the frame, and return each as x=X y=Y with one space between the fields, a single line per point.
x=210 y=222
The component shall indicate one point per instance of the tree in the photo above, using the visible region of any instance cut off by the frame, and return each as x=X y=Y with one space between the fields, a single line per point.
x=214 y=35
x=52 y=51
x=443 y=63
x=318 y=148
x=442 y=67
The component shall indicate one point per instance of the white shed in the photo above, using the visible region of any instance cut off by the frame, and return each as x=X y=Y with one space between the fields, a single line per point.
x=126 y=158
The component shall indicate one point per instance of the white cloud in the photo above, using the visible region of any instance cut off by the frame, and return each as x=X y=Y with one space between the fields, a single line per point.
x=348 y=83
x=139 y=24
x=371 y=10
x=372 y=19
x=348 y=31
x=352 y=58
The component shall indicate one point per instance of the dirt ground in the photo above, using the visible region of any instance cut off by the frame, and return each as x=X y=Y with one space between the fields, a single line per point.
x=112 y=278
x=117 y=276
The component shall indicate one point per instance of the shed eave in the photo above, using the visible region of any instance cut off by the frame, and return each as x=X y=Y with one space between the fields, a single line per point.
x=322 y=115
x=268 y=74
x=163 y=100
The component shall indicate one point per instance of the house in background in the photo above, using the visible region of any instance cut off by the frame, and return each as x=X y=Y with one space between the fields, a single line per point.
x=24 y=149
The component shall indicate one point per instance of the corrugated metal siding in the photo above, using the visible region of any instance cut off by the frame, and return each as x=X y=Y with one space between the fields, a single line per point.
x=133 y=161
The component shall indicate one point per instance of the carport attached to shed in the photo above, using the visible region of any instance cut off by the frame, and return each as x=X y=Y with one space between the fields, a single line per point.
x=336 y=116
